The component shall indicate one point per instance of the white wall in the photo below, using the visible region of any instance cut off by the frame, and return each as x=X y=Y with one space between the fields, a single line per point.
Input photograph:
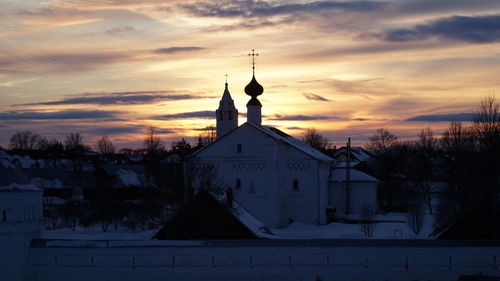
x=262 y=263
x=268 y=167
x=22 y=224
x=361 y=193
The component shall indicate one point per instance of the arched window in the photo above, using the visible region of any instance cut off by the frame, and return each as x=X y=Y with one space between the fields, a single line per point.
x=4 y=215
x=238 y=184
x=295 y=185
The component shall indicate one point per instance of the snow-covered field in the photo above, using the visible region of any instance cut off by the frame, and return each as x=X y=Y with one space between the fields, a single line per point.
x=395 y=228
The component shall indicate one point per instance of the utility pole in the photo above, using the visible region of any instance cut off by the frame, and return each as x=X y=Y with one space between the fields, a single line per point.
x=348 y=178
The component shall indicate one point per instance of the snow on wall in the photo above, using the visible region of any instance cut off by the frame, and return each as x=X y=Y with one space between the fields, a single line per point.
x=128 y=177
x=47 y=183
x=261 y=263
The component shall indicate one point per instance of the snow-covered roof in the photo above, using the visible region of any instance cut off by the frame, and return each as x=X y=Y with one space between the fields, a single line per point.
x=19 y=187
x=252 y=223
x=8 y=160
x=340 y=175
x=358 y=153
x=280 y=135
x=128 y=177
x=343 y=164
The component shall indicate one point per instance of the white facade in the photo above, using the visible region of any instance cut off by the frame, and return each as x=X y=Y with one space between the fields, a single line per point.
x=362 y=191
x=20 y=222
x=276 y=181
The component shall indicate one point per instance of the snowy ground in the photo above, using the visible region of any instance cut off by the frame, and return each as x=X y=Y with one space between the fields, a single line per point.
x=86 y=234
x=395 y=229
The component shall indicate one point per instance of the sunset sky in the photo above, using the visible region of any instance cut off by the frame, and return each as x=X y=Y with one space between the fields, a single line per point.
x=345 y=68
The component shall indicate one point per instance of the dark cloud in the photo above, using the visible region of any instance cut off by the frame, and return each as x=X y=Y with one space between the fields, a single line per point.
x=249 y=9
x=454 y=117
x=300 y=117
x=479 y=29
x=81 y=62
x=138 y=97
x=174 y=50
x=61 y=62
x=365 y=88
x=315 y=97
x=434 y=6
x=186 y=115
x=81 y=59
x=59 y=115
x=120 y=30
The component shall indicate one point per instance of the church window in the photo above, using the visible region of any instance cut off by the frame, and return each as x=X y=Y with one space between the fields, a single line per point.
x=238 y=184
x=220 y=116
x=239 y=148
x=230 y=115
x=295 y=185
x=4 y=215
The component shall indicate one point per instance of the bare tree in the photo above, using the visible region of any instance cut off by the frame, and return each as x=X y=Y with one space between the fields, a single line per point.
x=27 y=140
x=207 y=136
x=415 y=216
x=426 y=147
x=382 y=141
x=487 y=123
x=367 y=222
x=458 y=138
x=105 y=146
x=74 y=142
x=388 y=154
x=427 y=143
x=152 y=142
x=315 y=140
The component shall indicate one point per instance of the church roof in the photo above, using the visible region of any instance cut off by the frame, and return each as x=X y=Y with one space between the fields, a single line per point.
x=339 y=175
x=226 y=102
x=279 y=136
x=357 y=154
x=282 y=136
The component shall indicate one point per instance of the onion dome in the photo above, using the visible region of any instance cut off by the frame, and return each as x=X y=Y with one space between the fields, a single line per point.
x=254 y=101
x=254 y=89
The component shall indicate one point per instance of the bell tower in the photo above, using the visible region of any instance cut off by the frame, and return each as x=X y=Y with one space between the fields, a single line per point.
x=254 y=89
x=227 y=114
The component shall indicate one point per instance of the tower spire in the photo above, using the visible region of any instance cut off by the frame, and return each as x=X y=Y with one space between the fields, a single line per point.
x=254 y=89
x=253 y=54
x=227 y=114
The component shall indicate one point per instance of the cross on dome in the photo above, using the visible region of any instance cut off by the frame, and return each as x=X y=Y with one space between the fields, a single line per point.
x=253 y=88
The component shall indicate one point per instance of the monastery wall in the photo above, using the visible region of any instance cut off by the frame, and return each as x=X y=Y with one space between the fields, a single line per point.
x=108 y=261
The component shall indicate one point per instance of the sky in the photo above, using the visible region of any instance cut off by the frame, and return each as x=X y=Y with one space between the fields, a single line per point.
x=345 y=68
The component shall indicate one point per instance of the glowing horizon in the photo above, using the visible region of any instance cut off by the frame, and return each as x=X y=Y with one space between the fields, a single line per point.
x=344 y=68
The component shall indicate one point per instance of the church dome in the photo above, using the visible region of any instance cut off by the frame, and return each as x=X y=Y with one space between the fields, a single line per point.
x=254 y=88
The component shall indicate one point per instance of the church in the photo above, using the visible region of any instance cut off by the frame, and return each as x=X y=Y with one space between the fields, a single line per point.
x=274 y=176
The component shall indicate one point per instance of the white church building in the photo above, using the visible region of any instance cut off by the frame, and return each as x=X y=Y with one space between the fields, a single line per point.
x=276 y=177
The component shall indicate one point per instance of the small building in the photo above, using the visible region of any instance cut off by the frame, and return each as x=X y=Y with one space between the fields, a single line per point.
x=20 y=221
x=350 y=197
x=212 y=216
